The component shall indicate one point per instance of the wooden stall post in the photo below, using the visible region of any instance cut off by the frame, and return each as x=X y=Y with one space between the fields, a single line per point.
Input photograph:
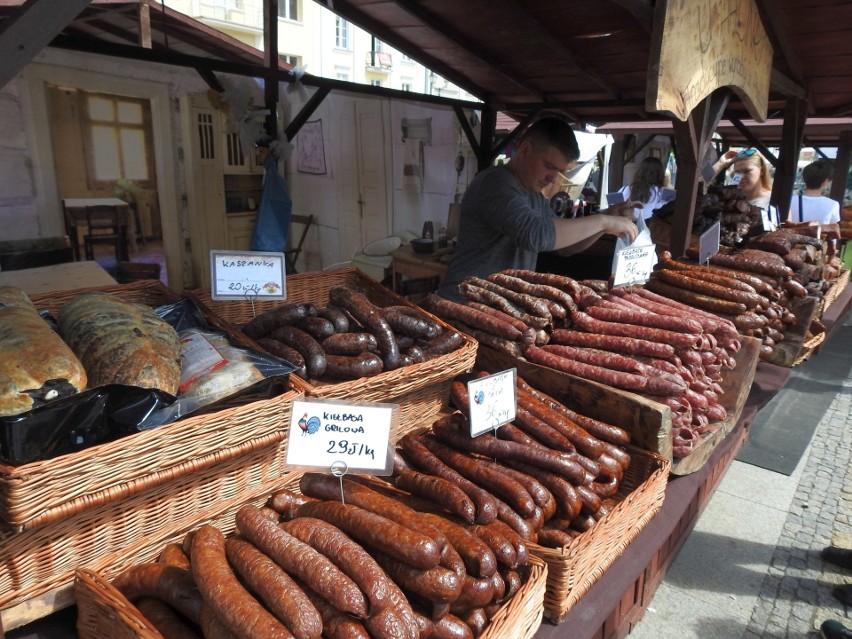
x=841 y=167
x=792 y=132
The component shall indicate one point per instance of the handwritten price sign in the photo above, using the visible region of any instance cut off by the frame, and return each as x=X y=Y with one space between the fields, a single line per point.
x=247 y=275
x=492 y=401
x=633 y=264
x=352 y=437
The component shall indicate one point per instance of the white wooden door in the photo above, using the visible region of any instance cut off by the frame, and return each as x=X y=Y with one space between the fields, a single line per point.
x=363 y=206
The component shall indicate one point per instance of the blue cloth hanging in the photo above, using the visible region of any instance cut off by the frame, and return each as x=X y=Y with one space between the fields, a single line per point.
x=272 y=224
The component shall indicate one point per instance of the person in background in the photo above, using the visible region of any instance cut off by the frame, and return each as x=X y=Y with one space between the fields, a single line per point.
x=812 y=205
x=752 y=170
x=506 y=220
x=648 y=187
x=839 y=557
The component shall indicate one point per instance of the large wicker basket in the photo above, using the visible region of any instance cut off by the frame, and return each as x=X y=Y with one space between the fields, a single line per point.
x=105 y=612
x=41 y=492
x=39 y=564
x=422 y=390
x=573 y=569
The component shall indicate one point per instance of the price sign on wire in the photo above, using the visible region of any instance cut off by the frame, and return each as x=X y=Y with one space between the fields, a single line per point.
x=348 y=437
x=633 y=264
x=240 y=275
x=708 y=244
x=492 y=401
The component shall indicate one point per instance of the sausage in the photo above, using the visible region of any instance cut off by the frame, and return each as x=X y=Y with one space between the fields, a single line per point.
x=478 y=559
x=581 y=439
x=275 y=588
x=678 y=340
x=714 y=274
x=663 y=305
x=438 y=490
x=317 y=327
x=350 y=344
x=475 y=593
x=681 y=280
x=302 y=561
x=515 y=349
x=490 y=298
x=615 y=343
x=336 y=624
x=286 y=502
x=167 y=622
x=169 y=584
x=451 y=627
x=338 y=318
x=541 y=431
x=422 y=457
x=446 y=342
x=368 y=528
x=503 y=550
x=263 y=324
x=347 y=555
x=527 y=332
x=490 y=446
x=353 y=366
x=326 y=486
x=602 y=431
x=369 y=316
x=754 y=261
x=435 y=584
x=173 y=555
x=590 y=499
x=287 y=353
x=518 y=543
x=212 y=627
x=435 y=328
x=530 y=303
x=542 y=496
x=475 y=619
x=545 y=291
x=223 y=592
x=645 y=318
x=554 y=538
x=396 y=621
x=405 y=324
x=307 y=346
x=484 y=476
x=470 y=316
x=567 y=500
x=618 y=379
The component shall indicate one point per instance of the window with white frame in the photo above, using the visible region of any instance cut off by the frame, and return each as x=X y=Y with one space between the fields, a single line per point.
x=288 y=9
x=341 y=73
x=407 y=83
x=376 y=83
x=341 y=33
x=292 y=60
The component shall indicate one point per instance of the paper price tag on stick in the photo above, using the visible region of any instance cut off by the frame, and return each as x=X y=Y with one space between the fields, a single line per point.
x=492 y=401
x=247 y=275
x=348 y=436
x=633 y=264
x=708 y=243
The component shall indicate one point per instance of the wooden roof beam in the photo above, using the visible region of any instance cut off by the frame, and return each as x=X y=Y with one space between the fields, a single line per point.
x=784 y=85
x=642 y=10
x=778 y=35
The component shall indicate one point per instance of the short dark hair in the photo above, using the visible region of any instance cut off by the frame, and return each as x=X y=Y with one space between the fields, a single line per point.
x=815 y=173
x=556 y=132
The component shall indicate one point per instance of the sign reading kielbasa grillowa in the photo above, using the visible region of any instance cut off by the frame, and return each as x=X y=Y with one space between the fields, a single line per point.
x=701 y=45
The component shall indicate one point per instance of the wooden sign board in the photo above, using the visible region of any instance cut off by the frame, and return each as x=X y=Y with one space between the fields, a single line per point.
x=699 y=46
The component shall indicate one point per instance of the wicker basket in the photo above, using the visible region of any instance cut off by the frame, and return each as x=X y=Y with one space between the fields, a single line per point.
x=104 y=612
x=41 y=492
x=422 y=390
x=573 y=569
x=41 y=562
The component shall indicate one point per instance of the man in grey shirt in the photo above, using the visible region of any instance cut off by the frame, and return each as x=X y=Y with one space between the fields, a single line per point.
x=506 y=221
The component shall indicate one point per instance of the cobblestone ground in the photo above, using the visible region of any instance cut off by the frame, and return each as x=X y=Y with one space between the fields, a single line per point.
x=796 y=594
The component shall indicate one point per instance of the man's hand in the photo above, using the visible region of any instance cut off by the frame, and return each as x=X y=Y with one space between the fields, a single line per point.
x=625 y=209
x=620 y=226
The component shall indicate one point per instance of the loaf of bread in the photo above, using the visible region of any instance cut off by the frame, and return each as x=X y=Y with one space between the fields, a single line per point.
x=121 y=343
x=36 y=366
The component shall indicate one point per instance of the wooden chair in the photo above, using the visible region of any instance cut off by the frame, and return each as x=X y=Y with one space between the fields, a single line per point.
x=292 y=254
x=104 y=227
x=134 y=271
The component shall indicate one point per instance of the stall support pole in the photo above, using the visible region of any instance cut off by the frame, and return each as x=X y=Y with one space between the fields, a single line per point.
x=792 y=132
x=841 y=167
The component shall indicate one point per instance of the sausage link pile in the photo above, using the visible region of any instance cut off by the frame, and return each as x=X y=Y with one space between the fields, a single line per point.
x=630 y=339
x=751 y=288
x=351 y=338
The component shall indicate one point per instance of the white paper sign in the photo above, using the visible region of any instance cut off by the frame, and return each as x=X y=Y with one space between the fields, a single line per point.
x=633 y=265
x=708 y=243
x=240 y=275
x=347 y=436
x=492 y=401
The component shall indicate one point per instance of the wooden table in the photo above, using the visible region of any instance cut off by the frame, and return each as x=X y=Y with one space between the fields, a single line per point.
x=408 y=264
x=57 y=277
x=75 y=213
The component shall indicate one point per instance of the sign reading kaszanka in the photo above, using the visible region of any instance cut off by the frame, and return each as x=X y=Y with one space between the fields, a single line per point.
x=702 y=45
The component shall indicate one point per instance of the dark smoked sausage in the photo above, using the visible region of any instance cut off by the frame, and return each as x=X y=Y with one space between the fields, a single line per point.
x=307 y=346
x=370 y=316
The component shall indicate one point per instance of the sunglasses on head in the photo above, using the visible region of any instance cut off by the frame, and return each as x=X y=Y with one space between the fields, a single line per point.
x=746 y=153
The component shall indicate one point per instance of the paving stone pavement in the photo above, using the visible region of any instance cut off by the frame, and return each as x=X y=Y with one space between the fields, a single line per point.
x=795 y=597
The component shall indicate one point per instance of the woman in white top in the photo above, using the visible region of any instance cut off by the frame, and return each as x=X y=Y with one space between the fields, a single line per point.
x=647 y=187
x=812 y=205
